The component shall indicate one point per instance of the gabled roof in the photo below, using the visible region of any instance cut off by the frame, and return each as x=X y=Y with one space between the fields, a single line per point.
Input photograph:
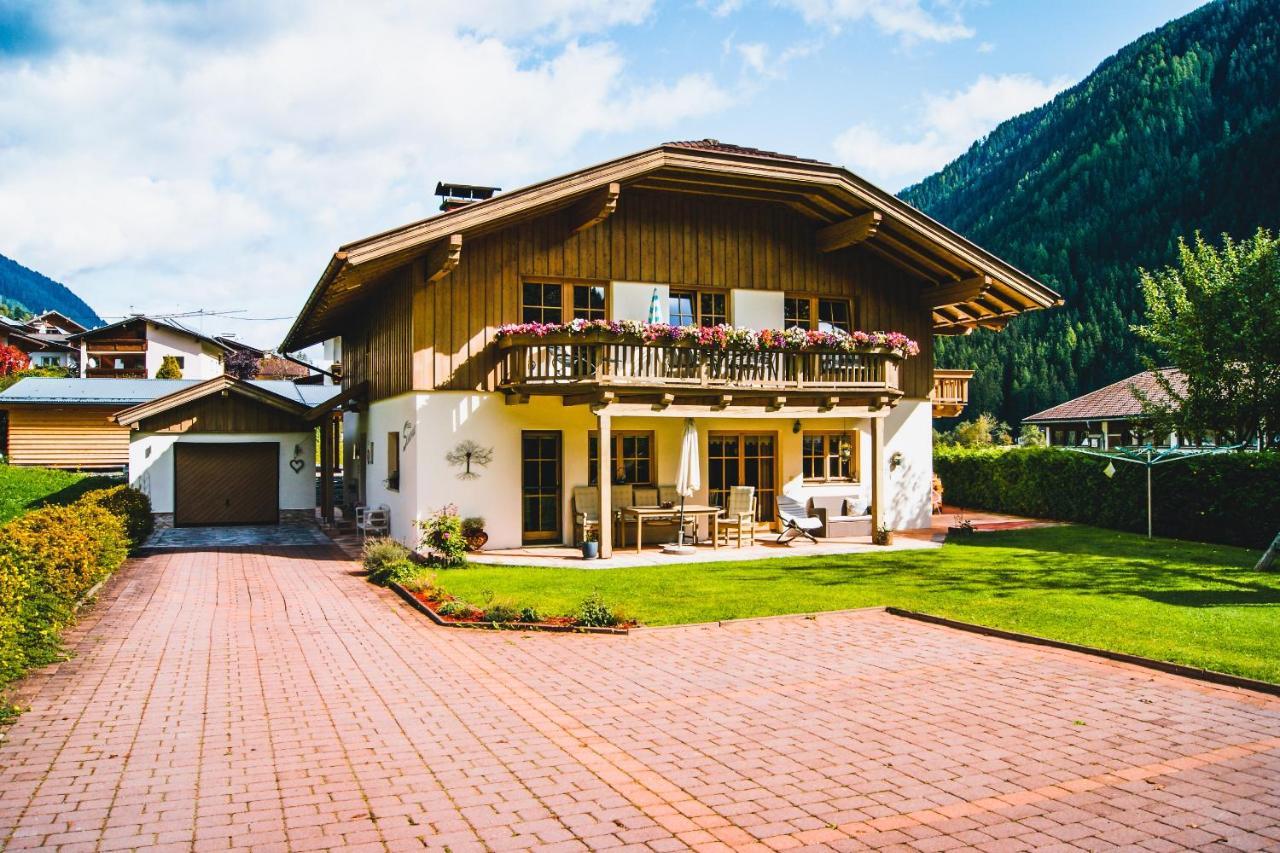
x=32 y=341
x=60 y=320
x=828 y=195
x=297 y=403
x=172 y=327
x=1116 y=400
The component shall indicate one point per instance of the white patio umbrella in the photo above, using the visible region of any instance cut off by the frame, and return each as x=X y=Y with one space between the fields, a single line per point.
x=655 y=307
x=688 y=478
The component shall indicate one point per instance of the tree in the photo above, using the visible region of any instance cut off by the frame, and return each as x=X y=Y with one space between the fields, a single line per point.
x=241 y=364
x=1030 y=436
x=12 y=360
x=982 y=431
x=169 y=368
x=1215 y=318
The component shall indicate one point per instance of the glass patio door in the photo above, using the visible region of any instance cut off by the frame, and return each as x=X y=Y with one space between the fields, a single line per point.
x=743 y=459
x=541 y=489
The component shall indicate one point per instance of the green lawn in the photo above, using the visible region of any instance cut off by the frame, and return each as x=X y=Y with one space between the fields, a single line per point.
x=23 y=489
x=1201 y=605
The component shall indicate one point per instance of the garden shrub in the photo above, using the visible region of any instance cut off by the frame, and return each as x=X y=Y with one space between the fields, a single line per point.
x=594 y=613
x=530 y=614
x=1231 y=498
x=456 y=608
x=442 y=538
x=378 y=554
x=131 y=505
x=501 y=610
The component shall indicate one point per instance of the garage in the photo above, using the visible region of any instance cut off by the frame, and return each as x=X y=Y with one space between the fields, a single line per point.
x=231 y=483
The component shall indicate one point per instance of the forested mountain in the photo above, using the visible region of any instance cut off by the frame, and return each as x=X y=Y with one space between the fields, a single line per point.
x=35 y=292
x=1178 y=131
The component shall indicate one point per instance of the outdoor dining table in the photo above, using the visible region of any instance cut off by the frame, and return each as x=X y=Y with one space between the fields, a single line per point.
x=652 y=512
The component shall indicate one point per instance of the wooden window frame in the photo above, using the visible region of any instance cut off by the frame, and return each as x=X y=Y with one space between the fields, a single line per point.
x=698 y=293
x=567 y=286
x=815 y=300
x=617 y=436
x=777 y=465
x=827 y=436
x=393 y=461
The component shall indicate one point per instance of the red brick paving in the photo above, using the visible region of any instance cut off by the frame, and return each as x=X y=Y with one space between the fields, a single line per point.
x=276 y=701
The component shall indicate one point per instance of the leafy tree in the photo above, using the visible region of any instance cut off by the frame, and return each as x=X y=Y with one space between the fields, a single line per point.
x=12 y=360
x=169 y=368
x=1030 y=436
x=982 y=431
x=1216 y=317
x=241 y=364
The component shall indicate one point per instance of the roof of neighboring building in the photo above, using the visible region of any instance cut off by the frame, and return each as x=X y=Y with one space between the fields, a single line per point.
x=1116 y=400
x=42 y=342
x=172 y=327
x=57 y=318
x=130 y=392
x=277 y=367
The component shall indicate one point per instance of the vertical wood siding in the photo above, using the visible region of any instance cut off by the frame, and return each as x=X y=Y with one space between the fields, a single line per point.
x=668 y=238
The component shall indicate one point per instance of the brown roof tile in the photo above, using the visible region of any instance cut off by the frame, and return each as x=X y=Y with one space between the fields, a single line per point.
x=1116 y=400
x=728 y=148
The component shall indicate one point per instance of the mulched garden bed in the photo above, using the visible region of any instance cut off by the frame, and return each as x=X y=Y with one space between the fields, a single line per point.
x=429 y=601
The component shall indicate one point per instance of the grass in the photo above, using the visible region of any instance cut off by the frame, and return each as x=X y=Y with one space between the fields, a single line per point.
x=23 y=489
x=1194 y=604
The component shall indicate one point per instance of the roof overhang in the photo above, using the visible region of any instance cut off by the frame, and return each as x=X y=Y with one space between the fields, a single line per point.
x=963 y=285
x=221 y=385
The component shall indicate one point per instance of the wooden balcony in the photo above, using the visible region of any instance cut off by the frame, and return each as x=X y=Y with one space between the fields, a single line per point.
x=584 y=368
x=104 y=347
x=115 y=373
x=950 y=392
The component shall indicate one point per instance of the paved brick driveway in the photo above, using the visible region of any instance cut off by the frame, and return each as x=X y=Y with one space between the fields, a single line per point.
x=274 y=700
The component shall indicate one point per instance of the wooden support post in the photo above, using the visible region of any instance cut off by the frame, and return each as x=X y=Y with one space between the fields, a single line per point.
x=879 y=476
x=604 y=480
x=326 y=470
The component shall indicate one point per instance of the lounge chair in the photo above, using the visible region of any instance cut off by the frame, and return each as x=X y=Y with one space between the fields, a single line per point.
x=796 y=520
x=739 y=516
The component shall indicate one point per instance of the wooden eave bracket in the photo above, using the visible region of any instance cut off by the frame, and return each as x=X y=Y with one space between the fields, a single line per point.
x=850 y=232
x=964 y=290
x=596 y=207
x=664 y=402
x=443 y=258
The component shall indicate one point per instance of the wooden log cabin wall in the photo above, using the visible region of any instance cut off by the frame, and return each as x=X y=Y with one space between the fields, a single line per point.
x=418 y=335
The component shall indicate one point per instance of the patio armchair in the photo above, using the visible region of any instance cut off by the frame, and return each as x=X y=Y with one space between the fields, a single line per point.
x=586 y=512
x=795 y=520
x=739 y=516
x=375 y=520
x=838 y=516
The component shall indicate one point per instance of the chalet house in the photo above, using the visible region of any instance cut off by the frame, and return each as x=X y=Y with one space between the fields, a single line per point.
x=134 y=348
x=43 y=338
x=1111 y=416
x=506 y=350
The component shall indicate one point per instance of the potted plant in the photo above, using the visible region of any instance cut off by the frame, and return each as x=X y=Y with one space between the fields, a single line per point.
x=473 y=532
x=883 y=535
x=590 y=545
x=962 y=527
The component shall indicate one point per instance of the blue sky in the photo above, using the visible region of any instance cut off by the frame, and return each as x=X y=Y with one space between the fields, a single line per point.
x=176 y=156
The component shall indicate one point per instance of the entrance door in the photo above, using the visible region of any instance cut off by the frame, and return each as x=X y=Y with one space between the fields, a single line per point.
x=226 y=483
x=743 y=459
x=541 y=491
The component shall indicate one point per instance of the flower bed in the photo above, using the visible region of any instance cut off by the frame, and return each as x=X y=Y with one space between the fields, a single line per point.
x=720 y=337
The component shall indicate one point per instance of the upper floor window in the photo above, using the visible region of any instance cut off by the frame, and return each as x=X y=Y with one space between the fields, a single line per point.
x=812 y=312
x=557 y=302
x=697 y=308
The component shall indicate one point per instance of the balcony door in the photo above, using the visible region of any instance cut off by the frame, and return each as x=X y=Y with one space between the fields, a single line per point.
x=743 y=459
x=541 y=486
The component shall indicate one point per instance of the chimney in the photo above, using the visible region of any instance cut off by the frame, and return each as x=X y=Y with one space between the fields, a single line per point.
x=454 y=196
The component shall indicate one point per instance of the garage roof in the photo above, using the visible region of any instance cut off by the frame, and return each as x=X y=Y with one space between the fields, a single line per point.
x=130 y=392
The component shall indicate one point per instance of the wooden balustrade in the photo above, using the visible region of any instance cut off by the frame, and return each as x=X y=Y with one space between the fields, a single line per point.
x=950 y=392
x=544 y=365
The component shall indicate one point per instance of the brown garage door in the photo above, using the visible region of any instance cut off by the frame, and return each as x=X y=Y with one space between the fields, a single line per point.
x=226 y=483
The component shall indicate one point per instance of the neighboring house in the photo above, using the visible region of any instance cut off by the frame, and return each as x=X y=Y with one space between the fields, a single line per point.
x=1111 y=416
x=702 y=232
x=274 y=365
x=134 y=348
x=44 y=339
x=255 y=462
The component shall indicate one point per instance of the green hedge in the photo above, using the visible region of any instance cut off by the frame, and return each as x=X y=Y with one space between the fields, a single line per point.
x=49 y=558
x=1232 y=499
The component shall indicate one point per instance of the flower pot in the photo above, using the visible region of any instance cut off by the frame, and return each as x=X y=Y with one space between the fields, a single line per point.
x=882 y=537
x=590 y=550
x=476 y=540
x=959 y=530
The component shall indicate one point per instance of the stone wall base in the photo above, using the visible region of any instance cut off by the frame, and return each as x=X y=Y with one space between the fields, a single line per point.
x=164 y=520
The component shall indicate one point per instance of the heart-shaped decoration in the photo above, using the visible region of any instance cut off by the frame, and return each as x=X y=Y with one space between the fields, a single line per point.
x=297 y=465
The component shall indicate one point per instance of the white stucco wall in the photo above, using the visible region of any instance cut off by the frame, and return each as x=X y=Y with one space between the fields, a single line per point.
x=201 y=360
x=630 y=300
x=757 y=309
x=443 y=419
x=151 y=464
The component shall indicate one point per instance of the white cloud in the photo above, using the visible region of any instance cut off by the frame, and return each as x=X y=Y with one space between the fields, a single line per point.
x=986 y=47
x=187 y=155
x=906 y=19
x=754 y=54
x=949 y=124
x=721 y=8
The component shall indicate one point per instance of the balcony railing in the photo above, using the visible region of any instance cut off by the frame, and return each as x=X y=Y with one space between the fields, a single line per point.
x=114 y=346
x=563 y=365
x=116 y=373
x=950 y=392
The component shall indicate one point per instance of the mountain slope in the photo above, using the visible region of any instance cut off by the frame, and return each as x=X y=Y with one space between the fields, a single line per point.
x=1178 y=131
x=37 y=293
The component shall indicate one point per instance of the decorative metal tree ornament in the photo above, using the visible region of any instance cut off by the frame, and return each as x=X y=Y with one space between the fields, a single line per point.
x=466 y=454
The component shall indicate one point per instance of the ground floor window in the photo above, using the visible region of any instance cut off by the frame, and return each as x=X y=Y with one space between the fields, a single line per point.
x=830 y=456
x=743 y=459
x=393 y=461
x=633 y=458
